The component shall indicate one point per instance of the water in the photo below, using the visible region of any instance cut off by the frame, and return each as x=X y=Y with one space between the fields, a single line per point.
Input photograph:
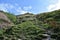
x=48 y=37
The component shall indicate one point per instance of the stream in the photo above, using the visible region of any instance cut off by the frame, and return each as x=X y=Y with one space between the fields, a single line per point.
x=48 y=36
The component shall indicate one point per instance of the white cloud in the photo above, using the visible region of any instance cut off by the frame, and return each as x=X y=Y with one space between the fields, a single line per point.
x=27 y=8
x=17 y=10
x=20 y=11
x=23 y=10
x=2 y=7
x=5 y=7
x=54 y=6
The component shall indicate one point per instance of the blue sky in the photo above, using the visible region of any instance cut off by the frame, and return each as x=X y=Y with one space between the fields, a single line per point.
x=33 y=6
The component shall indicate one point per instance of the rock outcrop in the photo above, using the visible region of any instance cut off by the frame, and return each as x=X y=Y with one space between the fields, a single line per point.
x=4 y=20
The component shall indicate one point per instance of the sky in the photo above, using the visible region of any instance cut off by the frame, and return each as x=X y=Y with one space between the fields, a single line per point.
x=32 y=6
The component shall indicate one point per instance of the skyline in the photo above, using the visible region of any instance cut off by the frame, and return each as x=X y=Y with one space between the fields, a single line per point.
x=33 y=6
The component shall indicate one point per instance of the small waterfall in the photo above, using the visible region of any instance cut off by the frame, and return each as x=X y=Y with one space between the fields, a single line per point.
x=49 y=37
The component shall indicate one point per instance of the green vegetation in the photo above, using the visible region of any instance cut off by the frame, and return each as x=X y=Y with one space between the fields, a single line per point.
x=11 y=17
x=32 y=27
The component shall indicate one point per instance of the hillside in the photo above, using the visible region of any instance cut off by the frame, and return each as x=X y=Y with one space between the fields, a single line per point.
x=25 y=17
x=29 y=26
x=51 y=18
